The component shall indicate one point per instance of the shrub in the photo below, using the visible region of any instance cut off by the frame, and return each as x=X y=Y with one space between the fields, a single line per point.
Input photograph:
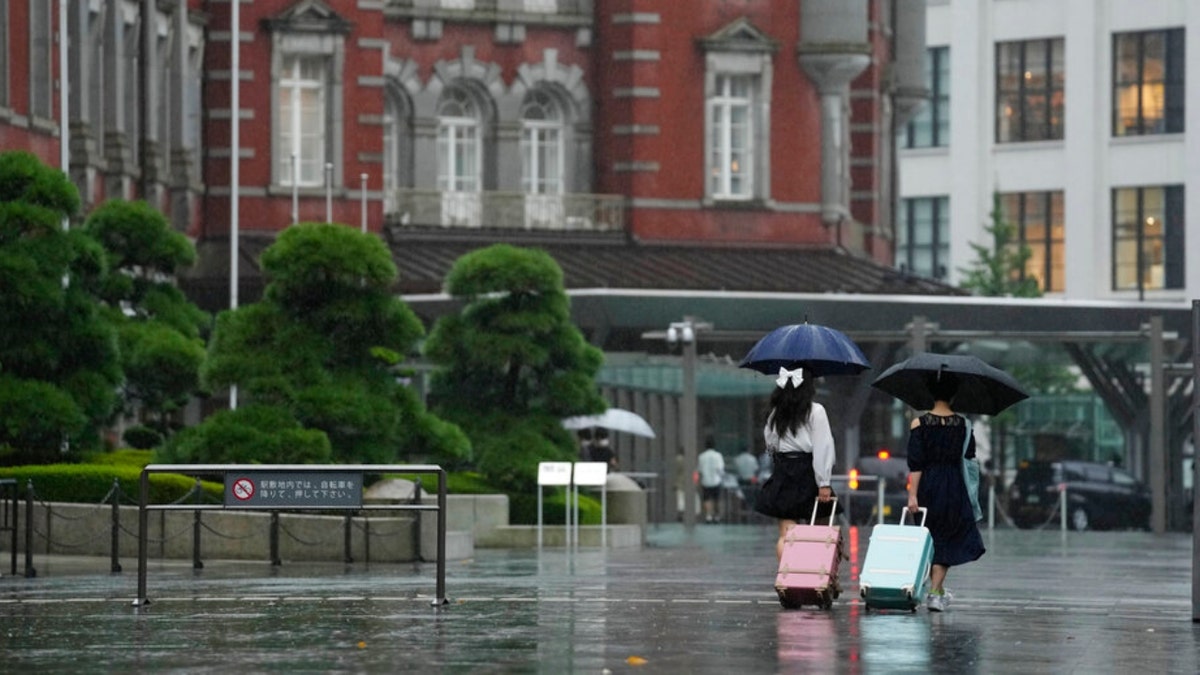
x=91 y=483
x=142 y=437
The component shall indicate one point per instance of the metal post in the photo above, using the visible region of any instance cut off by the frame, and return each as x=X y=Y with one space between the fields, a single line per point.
x=329 y=192
x=197 y=564
x=16 y=523
x=991 y=505
x=1157 y=452
x=29 y=571
x=347 y=536
x=143 y=544
x=880 y=487
x=274 y=537
x=1195 y=457
x=440 y=598
x=363 y=209
x=688 y=433
x=1062 y=509
x=235 y=120
x=115 y=567
x=539 y=529
x=604 y=516
x=295 y=190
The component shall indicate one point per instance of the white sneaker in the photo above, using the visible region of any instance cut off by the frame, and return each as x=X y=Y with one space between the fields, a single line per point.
x=935 y=603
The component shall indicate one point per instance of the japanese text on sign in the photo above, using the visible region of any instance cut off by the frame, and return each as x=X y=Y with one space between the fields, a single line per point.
x=273 y=489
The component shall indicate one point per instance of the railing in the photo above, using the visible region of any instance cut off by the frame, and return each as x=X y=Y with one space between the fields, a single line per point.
x=492 y=6
x=507 y=210
x=289 y=487
x=8 y=514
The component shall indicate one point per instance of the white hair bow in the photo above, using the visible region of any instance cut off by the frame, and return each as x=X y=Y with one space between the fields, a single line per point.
x=796 y=376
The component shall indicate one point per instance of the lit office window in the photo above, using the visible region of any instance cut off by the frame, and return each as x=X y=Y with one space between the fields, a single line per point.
x=930 y=126
x=1148 y=82
x=1148 y=238
x=1038 y=218
x=1029 y=90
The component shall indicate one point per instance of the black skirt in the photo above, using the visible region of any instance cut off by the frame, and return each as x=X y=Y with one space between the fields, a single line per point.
x=791 y=490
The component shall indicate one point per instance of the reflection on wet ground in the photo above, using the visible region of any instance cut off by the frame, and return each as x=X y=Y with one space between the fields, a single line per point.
x=1096 y=602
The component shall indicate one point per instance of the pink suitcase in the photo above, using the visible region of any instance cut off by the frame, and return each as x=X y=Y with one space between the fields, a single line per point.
x=808 y=568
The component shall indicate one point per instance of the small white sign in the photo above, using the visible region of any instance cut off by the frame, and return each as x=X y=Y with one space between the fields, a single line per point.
x=591 y=474
x=554 y=473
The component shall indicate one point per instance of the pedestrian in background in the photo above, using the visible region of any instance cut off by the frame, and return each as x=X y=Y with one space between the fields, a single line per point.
x=711 y=467
x=798 y=436
x=935 y=462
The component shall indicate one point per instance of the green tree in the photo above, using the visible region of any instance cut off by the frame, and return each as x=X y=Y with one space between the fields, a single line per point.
x=317 y=362
x=998 y=269
x=160 y=331
x=59 y=365
x=511 y=363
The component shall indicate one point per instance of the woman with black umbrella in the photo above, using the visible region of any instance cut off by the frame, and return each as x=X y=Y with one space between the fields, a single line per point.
x=935 y=460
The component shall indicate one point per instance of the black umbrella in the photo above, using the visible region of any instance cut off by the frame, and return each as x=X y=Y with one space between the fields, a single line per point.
x=982 y=389
x=818 y=349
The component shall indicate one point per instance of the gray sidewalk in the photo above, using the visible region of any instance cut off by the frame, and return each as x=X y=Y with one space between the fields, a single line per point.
x=1036 y=603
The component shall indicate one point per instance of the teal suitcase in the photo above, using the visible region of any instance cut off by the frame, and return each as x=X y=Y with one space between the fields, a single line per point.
x=895 y=574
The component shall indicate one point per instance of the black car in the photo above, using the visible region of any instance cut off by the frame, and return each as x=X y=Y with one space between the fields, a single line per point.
x=863 y=499
x=1099 y=496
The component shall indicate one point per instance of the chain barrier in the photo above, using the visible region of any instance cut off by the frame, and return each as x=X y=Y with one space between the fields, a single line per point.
x=152 y=540
x=283 y=528
x=222 y=535
x=372 y=532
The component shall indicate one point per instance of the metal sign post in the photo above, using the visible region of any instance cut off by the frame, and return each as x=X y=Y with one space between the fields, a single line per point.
x=593 y=474
x=554 y=474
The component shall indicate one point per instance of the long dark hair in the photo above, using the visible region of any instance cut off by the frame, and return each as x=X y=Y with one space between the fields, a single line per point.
x=790 y=406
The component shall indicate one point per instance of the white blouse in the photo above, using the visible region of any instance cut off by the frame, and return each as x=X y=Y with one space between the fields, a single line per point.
x=815 y=437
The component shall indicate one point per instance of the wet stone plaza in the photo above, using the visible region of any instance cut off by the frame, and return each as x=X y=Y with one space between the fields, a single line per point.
x=1038 y=602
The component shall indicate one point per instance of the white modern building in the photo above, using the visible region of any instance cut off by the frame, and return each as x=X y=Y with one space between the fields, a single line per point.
x=1081 y=116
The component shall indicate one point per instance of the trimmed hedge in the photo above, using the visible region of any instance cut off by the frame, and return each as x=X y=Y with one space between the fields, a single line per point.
x=90 y=483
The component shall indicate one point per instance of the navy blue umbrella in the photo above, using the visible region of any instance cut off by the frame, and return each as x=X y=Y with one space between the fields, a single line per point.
x=818 y=349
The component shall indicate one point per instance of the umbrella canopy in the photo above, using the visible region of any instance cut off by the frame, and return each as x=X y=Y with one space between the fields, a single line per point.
x=818 y=349
x=982 y=389
x=613 y=419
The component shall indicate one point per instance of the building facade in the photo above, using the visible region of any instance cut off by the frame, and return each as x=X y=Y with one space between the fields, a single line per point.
x=1079 y=125
x=753 y=123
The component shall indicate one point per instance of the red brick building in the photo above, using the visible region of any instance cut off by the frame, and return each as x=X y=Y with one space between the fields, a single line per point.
x=748 y=123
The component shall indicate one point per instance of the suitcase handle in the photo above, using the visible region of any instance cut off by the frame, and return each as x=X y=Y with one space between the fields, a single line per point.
x=833 y=509
x=924 y=512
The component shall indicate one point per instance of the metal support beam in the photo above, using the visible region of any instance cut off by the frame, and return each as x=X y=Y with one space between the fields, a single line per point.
x=1156 y=454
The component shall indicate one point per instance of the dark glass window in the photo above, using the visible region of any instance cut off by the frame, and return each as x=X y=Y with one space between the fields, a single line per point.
x=923 y=238
x=930 y=127
x=1029 y=90
x=1148 y=82
x=1038 y=217
x=1148 y=238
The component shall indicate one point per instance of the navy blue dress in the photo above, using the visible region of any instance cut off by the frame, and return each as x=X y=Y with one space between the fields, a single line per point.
x=935 y=449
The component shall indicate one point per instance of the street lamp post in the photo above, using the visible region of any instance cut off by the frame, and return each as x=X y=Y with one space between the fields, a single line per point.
x=683 y=333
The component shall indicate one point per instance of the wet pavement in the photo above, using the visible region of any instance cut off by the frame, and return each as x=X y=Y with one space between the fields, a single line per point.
x=1036 y=603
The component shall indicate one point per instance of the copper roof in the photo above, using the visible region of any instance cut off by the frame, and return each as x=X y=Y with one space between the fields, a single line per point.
x=425 y=256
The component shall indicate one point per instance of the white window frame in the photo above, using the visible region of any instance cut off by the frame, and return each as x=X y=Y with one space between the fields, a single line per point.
x=302 y=119
x=289 y=49
x=459 y=136
x=724 y=165
x=537 y=134
x=720 y=66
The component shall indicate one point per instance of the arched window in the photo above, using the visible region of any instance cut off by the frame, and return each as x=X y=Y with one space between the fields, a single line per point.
x=542 y=124
x=459 y=147
x=397 y=147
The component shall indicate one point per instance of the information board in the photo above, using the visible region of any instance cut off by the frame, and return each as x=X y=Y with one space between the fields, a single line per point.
x=252 y=489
